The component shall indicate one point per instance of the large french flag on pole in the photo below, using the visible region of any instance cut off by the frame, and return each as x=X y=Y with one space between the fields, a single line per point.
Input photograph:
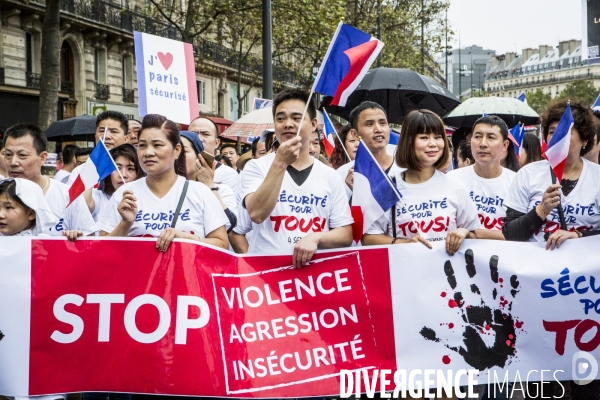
x=348 y=58
x=329 y=132
x=97 y=167
x=558 y=147
x=374 y=193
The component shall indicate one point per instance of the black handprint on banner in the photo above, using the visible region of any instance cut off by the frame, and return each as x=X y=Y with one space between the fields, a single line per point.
x=1 y=335
x=481 y=319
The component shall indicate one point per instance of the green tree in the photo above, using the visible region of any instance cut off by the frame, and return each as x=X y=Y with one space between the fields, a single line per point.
x=583 y=90
x=538 y=100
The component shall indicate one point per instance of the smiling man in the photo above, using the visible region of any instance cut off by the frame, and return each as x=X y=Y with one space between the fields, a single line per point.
x=295 y=203
x=369 y=121
x=487 y=181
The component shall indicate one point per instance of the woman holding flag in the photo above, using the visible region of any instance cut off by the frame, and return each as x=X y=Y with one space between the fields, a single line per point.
x=433 y=206
x=557 y=199
x=164 y=204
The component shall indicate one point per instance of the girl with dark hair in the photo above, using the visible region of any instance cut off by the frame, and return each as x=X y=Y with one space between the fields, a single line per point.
x=532 y=151
x=24 y=210
x=128 y=165
x=434 y=206
x=509 y=158
x=532 y=201
x=148 y=206
x=345 y=142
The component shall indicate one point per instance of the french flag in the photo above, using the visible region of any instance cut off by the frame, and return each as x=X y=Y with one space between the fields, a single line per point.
x=97 y=167
x=348 y=58
x=596 y=106
x=558 y=147
x=374 y=192
x=329 y=131
x=392 y=143
x=516 y=136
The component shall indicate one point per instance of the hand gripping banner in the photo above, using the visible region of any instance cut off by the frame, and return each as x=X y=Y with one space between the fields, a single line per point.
x=118 y=316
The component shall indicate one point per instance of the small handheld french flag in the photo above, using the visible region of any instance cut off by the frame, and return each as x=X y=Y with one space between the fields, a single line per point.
x=374 y=193
x=516 y=135
x=558 y=147
x=329 y=131
x=393 y=143
x=97 y=167
x=522 y=97
x=349 y=56
x=596 y=106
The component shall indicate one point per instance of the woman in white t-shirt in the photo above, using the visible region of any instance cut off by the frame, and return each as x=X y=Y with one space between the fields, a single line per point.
x=532 y=201
x=434 y=207
x=147 y=207
x=128 y=164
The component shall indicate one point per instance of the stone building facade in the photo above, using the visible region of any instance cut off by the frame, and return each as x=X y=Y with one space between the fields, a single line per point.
x=97 y=69
x=547 y=68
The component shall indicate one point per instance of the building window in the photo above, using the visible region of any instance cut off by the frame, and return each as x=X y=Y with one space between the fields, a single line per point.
x=127 y=71
x=29 y=51
x=246 y=101
x=201 y=92
x=100 y=65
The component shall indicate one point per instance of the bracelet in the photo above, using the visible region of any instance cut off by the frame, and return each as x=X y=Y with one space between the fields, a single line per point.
x=539 y=208
x=579 y=234
x=394 y=241
x=215 y=188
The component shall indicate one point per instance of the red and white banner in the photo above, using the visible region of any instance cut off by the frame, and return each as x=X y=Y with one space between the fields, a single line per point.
x=118 y=316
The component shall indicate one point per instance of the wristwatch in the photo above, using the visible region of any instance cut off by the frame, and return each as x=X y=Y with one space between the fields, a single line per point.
x=215 y=188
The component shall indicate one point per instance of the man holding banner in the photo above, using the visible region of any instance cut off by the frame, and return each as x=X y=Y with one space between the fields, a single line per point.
x=294 y=202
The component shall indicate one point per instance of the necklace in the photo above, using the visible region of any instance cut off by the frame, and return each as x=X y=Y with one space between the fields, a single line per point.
x=45 y=188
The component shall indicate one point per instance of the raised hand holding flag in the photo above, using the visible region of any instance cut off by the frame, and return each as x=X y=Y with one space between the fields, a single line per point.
x=558 y=147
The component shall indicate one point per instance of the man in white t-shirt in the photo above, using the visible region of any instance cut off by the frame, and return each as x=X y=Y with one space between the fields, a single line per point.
x=209 y=135
x=25 y=154
x=487 y=182
x=114 y=123
x=295 y=202
x=369 y=122
x=69 y=163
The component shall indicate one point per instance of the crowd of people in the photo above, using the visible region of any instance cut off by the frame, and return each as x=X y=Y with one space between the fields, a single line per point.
x=285 y=197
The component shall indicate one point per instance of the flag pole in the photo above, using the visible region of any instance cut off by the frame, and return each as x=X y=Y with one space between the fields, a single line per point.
x=305 y=109
x=338 y=136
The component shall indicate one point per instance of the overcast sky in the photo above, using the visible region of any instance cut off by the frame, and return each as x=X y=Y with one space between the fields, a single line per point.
x=509 y=25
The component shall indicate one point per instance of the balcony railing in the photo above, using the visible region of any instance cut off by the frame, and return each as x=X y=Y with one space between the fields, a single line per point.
x=2 y=75
x=32 y=80
x=128 y=96
x=66 y=87
x=542 y=82
x=102 y=92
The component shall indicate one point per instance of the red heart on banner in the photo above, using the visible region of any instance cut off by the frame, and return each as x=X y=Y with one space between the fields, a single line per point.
x=165 y=59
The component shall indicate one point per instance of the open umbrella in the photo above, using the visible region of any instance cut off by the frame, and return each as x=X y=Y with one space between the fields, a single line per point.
x=82 y=125
x=510 y=110
x=399 y=91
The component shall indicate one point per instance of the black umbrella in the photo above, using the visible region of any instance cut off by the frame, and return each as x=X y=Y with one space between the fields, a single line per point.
x=399 y=91
x=82 y=125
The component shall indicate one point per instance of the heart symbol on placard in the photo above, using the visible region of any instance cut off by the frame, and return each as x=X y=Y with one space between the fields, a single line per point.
x=165 y=59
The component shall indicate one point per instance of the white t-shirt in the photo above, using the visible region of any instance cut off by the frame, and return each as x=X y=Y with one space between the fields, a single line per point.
x=201 y=213
x=76 y=217
x=228 y=176
x=318 y=205
x=581 y=207
x=74 y=175
x=438 y=206
x=487 y=194
x=101 y=200
x=343 y=173
x=60 y=175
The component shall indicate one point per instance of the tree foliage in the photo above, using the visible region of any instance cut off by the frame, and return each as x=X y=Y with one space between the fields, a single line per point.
x=583 y=90
x=538 y=100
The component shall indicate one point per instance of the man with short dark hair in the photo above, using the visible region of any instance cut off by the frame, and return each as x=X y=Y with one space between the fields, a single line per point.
x=369 y=122
x=258 y=149
x=296 y=204
x=228 y=150
x=487 y=182
x=133 y=131
x=114 y=124
x=83 y=155
x=69 y=163
x=24 y=154
x=209 y=135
